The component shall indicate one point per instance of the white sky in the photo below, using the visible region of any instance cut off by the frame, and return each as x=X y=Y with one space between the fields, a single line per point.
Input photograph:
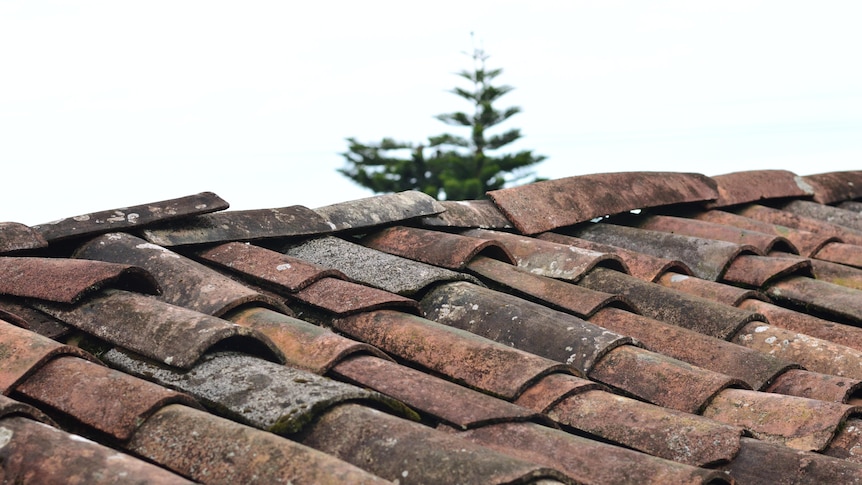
x=111 y=103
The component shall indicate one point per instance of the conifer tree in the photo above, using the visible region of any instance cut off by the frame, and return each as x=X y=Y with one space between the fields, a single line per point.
x=451 y=166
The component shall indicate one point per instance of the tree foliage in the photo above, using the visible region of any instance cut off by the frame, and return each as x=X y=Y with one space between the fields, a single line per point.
x=449 y=166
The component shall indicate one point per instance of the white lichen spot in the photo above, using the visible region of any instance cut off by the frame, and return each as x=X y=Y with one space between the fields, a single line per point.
x=514 y=318
x=802 y=184
x=570 y=328
x=475 y=306
x=677 y=278
x=404 y=474
x=164 y=251
x=761 y=329
x=169 y=360
x=117 y=217
x=83 y=218
x=201 y=206
x=114 y=237
x=569 y=349
x=283 y=267
x=5 y=436
x=132 y=218
x=776 y=291
x=770 y=340
x=333 y=226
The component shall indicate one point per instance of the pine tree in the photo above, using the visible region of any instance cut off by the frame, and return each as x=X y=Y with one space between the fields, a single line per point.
x=457 y=167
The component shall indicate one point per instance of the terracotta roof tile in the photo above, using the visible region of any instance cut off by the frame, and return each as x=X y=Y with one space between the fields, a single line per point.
x=838 y=274
x=779 y=217
x=711 y=290
x=19 y=314
x=115 y=403
x=832 y=187
x=453 y=404
x=543 y=206
x=459 y=355
x=10 y=407
x=831 y=299
x=587 y=461
x=35 y=453
x=849 y=254
x=521 y=324
x=469 y=213
x=825 y=387
x=825 y=213
x=804 y=323
x=547 y=258
x=341 y=297
x=450 y=251
x=172 y=335
x=134 y=217
x=210 y=449
x=762 y=462
x=751 y=271
x=68 y=280
x=403 y=276
x=802 y=424
x=764 y=242
x=358 y=434
x=184 y=282
x=24 y=352
x=248 y=225
x=18 y=237
x=265 y=267
x=673 y=435
x=667 y=305
x=379 y=210
x=304 y=345
x=752 y=186
x=808 y=243
x=750 y=366
x=707 y=258
x=557 y=294
x=640 y=265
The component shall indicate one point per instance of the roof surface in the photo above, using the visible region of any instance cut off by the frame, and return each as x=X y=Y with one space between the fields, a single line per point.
x=610 y=328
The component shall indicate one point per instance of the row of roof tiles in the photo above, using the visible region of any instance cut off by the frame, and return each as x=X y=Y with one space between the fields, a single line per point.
x=545 y=335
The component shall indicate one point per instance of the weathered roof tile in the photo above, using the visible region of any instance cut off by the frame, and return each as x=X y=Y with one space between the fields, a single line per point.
x=450 y=251
x=469 y=213
x=825 y=213
x=764 y=242
x=68 y=280
x=379 y=210
x=543 y=206
x=754 y=185
x=18 y=237
x=832 y=187
x=134 y=217
x=341 y=297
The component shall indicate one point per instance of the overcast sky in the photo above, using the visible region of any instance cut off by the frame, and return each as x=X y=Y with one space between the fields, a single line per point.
x=111 y=103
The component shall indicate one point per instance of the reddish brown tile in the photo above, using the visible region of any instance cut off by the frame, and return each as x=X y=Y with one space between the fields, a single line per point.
x=452 y=404
x=815 y=354
x=459 y=355
x=11 y=407
x=832 y=187
x=543 y=206
x=712 y=230
x=762 y=462
x=707 y=258
x=552 y=389
x=548 y=258
x=659 y=379
x=114 y=403
x=17 y=313
x=838 y=274
x=718 y=292
x=134 y=217
x=643 y=266
x=210 y=449
x=841 y=253
x=824 y=387
x=560 y=295
x=804 y=323
x=752 y=367
x=184 y=282
x=68 y=280
x=341 y=298
x=754 y=185
x=830 y=299
x=265 y=267
x=373 y=440
x=587 y=461
x=670 y=306
x=681 y=437
x=305 y=346
x=35 y=453
x=799 y=423
x=18 y=237
x=23 y=352
x=758 y=271
x=824 y=229
x=825 y=213
x=450 y=251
